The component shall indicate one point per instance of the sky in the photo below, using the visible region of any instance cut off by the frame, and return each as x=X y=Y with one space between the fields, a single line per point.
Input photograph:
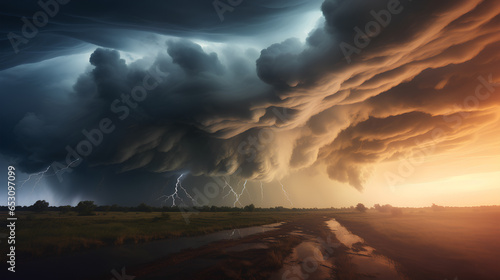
x=299 y=103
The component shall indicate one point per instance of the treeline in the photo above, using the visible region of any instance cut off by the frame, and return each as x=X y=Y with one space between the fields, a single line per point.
x=89 y=207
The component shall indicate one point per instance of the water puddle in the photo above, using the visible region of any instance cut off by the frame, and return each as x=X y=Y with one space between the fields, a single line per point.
x=246 y=247
x=309 y=260
x=108 y=258
x=369 y=264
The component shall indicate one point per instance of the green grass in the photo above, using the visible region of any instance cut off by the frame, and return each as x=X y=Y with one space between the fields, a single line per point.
x=53 y=233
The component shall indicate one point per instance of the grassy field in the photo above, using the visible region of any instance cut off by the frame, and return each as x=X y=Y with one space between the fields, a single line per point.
x=53 y=233
x=462 y=243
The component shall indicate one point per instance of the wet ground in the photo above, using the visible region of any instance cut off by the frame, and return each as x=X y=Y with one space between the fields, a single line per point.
x=312 y=247
x=308 y=247
x=88 y=264
x=368 y=264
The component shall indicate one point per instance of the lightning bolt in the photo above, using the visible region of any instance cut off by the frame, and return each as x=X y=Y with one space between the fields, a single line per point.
x=175 y=194
x=67 y=166
x=286 y=193
x=186 y=192
x=236 y=195
x=231 y=190
x=43 y=174
x=243 y=190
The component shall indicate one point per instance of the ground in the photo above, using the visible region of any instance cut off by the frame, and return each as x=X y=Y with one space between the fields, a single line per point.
x=451 y=243
x=462 y=243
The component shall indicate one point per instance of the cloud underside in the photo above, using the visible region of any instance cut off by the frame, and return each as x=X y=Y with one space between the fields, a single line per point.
x=429 y=78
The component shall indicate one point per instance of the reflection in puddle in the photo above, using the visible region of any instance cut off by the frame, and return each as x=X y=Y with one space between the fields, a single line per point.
x=247 y=246
x=343 y=235
x=307 y=261
x=242 y=232
x=369 y=265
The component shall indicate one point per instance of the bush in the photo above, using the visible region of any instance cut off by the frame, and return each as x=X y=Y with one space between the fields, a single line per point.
x=361 y=208
x=143 y=207
x=40 y=206
x=437 y=207
x=249 y=208
x=65 y=209
x=85 y=208
x=383 y=208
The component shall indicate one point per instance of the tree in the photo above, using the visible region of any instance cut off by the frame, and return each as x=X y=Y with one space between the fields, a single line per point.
x=383 y=208
x=437 y=207
x=40 y=206
x=85 y=208
x=143 y=207
x=249 y=208
x=65 y=209
x=361 y=207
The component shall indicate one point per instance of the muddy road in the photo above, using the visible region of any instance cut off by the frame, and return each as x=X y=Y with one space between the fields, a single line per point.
x=309 y=247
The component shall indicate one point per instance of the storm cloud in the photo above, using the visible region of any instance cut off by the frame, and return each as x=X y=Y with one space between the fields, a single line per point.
x=369 y=84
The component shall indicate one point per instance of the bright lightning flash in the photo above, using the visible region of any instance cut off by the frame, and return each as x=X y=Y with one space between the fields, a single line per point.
x=44 y=174
x=286 y=193
x=175 y=194
x=236 y=195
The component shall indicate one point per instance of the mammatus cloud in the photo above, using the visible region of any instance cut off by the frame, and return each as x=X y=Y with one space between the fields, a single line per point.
x=367 y=86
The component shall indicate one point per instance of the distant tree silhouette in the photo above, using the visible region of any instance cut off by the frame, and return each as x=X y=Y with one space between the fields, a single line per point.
x=143 y=207
x=40 y=206
x=437 y=207
x=249 y=208
x=65 y=209
x=383 y=208
x=85 y=208
x=361 y=208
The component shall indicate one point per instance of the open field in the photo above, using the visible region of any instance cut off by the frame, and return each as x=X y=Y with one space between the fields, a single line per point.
x=456 y=243
x=253 y=262
x=228 y=258
x=50 y=233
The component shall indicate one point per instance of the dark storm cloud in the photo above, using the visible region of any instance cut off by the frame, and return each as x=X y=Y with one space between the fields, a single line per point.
x=297 y=104
x=71 y=25
x=167 y=132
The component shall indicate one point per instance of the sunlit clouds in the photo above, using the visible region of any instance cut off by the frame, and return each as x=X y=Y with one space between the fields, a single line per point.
x=413 y=108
